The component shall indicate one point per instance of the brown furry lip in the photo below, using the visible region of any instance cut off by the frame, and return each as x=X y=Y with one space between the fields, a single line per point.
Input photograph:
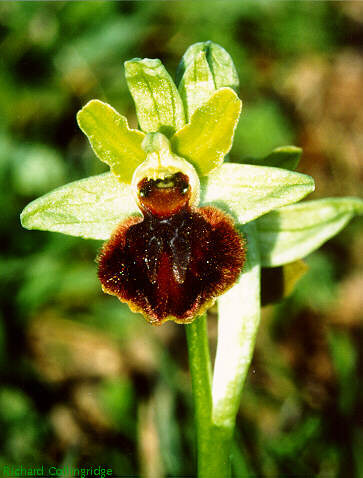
x=175 y=260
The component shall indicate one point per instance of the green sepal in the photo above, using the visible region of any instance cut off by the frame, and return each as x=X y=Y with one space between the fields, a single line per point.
x=89 y=208
x=219 y=61
x=247 y=192
x=286 y=157
x=111 y=138
x=278 y=283
x=197 y=84
x=222 y=66
x=208 y=137
x=92 y=207
x=292 y=232
x=157 y=100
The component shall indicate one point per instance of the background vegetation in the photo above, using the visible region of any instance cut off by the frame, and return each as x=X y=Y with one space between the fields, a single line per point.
x=84 y=381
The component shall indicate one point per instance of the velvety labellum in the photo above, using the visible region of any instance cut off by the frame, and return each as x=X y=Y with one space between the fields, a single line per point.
x=175 y=260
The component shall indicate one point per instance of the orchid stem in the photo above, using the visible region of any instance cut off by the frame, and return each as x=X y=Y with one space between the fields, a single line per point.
x=210 y=461
x=213 y=443
x=216 y=405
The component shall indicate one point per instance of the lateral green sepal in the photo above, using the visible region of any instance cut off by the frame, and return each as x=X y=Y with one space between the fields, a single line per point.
x=111 y=138
x=247 y=192
x=157 y=100
x=293 y=232
x=90 y=208
x=209 y=135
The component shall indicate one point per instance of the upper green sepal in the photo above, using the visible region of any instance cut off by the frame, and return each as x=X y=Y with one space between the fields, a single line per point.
x=111 y=138
x=220 y=63
x=197 y=84
x=292 y=232
x=205 y=67
x=209 y=135
x=157 y=100
x=286 y=157
x=90 y=208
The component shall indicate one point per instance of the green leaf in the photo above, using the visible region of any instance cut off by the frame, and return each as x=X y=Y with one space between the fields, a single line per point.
x=157 y=100
x=247 y=192
x=286 y=157
x=90 y=208
x=111 y=138
x=197 y=84
x=219 y=61
x=292 y=232
x=208 y=137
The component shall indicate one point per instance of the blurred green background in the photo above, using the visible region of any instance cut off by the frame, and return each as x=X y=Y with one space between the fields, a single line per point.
x=83 y=380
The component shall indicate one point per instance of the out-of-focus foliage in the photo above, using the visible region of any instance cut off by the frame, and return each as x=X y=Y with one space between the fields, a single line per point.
x=83 y=380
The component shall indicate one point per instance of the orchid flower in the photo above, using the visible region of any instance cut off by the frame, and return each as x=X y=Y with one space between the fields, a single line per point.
x=184 y=227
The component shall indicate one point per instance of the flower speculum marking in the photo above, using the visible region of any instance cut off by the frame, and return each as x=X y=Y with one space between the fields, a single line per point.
x=172 y=263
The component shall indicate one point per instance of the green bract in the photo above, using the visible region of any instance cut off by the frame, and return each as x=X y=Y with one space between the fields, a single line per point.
x=292 y=232
x=200 y=119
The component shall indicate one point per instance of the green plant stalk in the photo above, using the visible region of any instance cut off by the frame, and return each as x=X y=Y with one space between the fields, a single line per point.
x=215 y=412
x=200 y=368
x=201 y=372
